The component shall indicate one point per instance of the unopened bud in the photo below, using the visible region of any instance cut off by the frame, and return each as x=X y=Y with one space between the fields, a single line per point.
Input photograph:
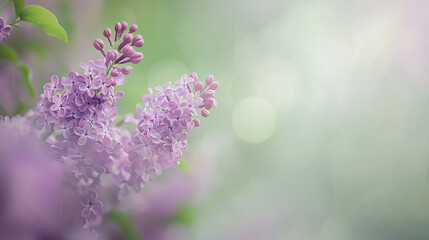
x=107 y=32
x=209 y=79
x=112 y=55
x=194 y=76
x=127 y=39
x=124 y=26
x=208 y=105
x=214 y=85
x=117 y=30
x=138 y=41
x=114 y=72
x=136 y=58
x=133 y=28
x=126 y=70
x=98 y=44
x=205 y=112
x=198 y=86
x=118 y=27
x=196 y=122
x=208 y=94
x=128 y=51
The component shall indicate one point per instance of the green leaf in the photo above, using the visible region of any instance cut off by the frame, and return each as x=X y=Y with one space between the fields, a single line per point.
x=184 y=215
x=44 y=18
x=126 y=223
x=18 y=5
x=183 y=166
x=26 y=73
x=20 y=109
x=7 y=53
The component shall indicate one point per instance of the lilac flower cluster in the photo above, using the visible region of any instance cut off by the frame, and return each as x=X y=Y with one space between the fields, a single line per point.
x=163 y=123
x=4 y=30
x=76 y=117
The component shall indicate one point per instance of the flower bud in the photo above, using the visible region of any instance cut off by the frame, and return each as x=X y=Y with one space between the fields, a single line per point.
x=133 y=28
x=126 y=70
x=208 y=105
x=118 y=27
x=209 y=79
x=194 y=76
x=136 y=58
x=138 y=41
x=208 y=94
x=128 y=51
x=98 y=44
x=209 y=100
x=112 y=55
x=214 y=85
x=196 y=122
x=107 y=32
x=124 y=26
x=198 y=86
x=114 y=72
x=117 y=30
x=205 y=112
x=127 y=39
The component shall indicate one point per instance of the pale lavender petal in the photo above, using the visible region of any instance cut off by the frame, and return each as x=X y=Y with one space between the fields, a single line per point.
x=82 y=140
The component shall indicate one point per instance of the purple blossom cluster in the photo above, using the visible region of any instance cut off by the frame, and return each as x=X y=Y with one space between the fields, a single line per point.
x=4 y=30
x=76 y=118
x=162 y=126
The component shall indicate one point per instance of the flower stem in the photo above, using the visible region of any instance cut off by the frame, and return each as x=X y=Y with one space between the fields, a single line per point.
x=15 y=22
x=2 y=5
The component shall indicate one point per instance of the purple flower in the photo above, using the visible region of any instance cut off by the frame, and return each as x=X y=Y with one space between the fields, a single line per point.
x=91 y=204
x=54 y=86
x=85 y=133
x=73 y=80
x=77 y=116
x=65 y=127
x=105 y=83
x=4 y=30
x=30 y=185
x=90 y=86
x=84 y=102
x=93 y=67
x=60 y=104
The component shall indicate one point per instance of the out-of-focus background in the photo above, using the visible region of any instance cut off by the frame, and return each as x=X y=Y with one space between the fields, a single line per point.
x=322 y=126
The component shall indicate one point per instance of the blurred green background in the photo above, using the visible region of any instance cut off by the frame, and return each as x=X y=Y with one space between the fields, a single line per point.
x=322 y=124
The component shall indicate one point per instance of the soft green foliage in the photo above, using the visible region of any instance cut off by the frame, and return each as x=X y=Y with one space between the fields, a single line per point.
x=183 y=166
x=184 y=215
x=18 y=5
x=44 y=18
x=26 y=73
x=126 y=223
x=21 y=109
x=7 y=53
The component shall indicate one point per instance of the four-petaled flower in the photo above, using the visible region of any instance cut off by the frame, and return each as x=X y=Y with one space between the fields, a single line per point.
x=89 y=86
x=53 y=86
x=91 y=205
x=85 y=133
x=60 y=104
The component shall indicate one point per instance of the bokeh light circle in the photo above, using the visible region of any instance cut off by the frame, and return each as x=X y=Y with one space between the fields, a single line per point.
x=254 y=119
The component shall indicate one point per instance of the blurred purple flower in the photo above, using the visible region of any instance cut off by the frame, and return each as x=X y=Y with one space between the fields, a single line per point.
x=4 y=30
x=76 y=115
x=30 y=187
x=91 y=205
